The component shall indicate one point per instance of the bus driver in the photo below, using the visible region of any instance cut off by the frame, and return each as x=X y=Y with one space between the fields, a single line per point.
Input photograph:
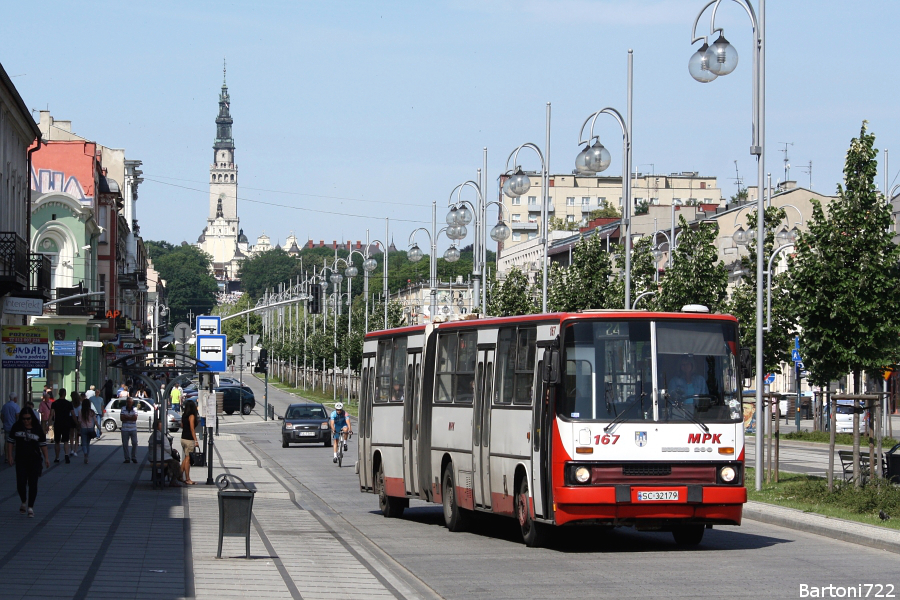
x=687 y=384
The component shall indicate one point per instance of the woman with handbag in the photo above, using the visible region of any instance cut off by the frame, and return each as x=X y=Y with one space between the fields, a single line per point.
x=188 y=438
x=26 y=448
x=87 y=420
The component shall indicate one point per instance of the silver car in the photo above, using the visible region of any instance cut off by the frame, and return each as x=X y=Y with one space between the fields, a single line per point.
x=112 y=420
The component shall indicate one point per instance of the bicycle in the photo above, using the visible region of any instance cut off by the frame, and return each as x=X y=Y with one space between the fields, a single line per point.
x=341 y=444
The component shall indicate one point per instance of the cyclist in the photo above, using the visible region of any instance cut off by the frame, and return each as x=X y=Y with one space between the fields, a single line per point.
x=340 y=427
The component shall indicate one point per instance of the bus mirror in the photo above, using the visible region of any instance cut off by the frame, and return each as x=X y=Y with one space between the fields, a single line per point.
x=551 y=366
x=747 y=366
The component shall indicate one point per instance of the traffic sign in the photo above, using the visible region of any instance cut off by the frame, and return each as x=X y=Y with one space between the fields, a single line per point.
x=183 y=333
x=770 y=378
x=211 y=350
x=795 y=355
x=64 y=348
x=207 y=325
x=251 y=339
x=800 y=366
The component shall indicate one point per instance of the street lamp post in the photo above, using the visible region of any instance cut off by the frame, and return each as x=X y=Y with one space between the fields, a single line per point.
x=596 y=158
x=705 y=65
x=517 y=183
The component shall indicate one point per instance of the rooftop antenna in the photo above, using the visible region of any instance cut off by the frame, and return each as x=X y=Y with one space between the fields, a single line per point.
x=738 y=181
x=807 y=168
x=787 y=164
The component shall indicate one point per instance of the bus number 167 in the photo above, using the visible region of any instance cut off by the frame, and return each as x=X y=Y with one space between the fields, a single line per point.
x=605 y=439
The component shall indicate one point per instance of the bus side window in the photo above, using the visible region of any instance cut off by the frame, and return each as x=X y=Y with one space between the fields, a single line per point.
x=486 y=419
x=525 y=353
x=398 y=382
x=447 y=346
x=465 y=368
x=383 y=368
x=506 y=364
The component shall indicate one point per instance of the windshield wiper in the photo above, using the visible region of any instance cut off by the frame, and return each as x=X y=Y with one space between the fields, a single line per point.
x=685 y=412
x=621 y=416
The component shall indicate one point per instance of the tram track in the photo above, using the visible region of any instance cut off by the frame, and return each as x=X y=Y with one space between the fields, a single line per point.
x=292 y=485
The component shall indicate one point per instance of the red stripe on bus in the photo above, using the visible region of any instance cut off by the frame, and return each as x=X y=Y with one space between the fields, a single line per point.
x=393 y=486
x=723 y=513
x=502 y=504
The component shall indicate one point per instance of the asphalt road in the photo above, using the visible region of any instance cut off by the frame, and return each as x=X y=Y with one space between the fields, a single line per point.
x=751 y=561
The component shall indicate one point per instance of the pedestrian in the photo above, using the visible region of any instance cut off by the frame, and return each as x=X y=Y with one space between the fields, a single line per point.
x=129 y=417
x=74 y=431
x=189 y=424
x=62 y=417
x=163 y=453
x=44 y=409
x=25 y=444
x=123 y=391
x=87 y=422
x=175 y=396
x=10 y=412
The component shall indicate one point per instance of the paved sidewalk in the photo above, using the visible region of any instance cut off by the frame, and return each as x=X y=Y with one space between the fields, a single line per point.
x=102 y=531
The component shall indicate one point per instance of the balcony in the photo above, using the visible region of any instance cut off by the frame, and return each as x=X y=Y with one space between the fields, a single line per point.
x=128 y=281
x=40 y=275
x=14 y=273
x=524 y=226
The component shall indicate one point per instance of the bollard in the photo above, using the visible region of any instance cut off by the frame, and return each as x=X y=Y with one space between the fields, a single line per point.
x=235 y=510
x=271 y=412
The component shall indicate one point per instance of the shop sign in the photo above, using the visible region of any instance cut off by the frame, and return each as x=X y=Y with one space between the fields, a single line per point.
x=23 y=306
x=26 y=356
x=21 y=334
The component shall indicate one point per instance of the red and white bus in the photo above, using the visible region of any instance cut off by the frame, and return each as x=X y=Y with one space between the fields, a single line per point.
x=619 y=418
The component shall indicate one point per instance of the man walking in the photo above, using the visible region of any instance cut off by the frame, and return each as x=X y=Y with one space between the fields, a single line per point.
x=10 y=412
x=175 y=395
x=44 y=410
x=129 y=417
x=62 y=417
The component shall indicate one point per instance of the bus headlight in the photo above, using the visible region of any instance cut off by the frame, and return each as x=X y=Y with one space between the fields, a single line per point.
x=727 y=474
x=582 y=474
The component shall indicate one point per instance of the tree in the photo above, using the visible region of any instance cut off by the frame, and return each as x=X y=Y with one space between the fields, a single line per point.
x=266 y=270
x=846 y=276
x=696 y=276
x=190 y=285
x=512 y=296
x=607 y=211
x=643 y=274
x=558 y=224
x=157 y=250
x=642 y=208
x=777 y=342
x=584 y=284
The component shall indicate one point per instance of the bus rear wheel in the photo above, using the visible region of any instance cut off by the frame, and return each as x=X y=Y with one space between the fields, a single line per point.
x=455 y=518
x=391 y=506
x=688 y=535
x=533 y=533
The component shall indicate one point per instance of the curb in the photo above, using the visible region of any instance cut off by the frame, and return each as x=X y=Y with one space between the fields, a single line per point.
x=838 y=529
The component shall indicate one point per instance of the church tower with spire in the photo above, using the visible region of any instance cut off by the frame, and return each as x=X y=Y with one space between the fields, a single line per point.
x=220 y=239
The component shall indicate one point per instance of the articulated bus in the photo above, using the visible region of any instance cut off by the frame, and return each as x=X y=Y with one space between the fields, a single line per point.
x=613 y=418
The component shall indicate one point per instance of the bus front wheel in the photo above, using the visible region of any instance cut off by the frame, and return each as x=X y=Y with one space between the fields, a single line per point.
x=532 y=532
x=688 y=535
x=455 y=517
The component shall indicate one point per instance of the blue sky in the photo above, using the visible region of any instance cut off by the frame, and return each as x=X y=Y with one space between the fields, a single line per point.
x=374 y=109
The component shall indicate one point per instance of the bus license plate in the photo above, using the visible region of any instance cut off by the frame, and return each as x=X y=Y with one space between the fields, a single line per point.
x=662 y=495
x=306 y=433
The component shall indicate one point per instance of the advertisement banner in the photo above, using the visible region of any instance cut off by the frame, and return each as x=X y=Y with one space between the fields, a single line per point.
x=23 y=306
x=26 y=356
x=21 y=334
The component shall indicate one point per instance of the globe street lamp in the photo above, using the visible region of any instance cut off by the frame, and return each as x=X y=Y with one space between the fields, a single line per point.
x=595 y=159
x=518 y=182
x=721 y=59
x=415 y=253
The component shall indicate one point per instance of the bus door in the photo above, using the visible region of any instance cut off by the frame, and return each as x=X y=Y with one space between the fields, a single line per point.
x=541 y=434
x=366 y=477
x=411 y=411
x=481 y=428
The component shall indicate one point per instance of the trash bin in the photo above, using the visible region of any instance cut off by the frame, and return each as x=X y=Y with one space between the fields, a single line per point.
x=893 y=464
x=235 y=510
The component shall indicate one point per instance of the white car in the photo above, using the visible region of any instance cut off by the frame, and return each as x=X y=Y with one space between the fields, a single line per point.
x=111 y=420
x=844 y=419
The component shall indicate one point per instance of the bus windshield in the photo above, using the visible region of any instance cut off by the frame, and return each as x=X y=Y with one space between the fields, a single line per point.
x=609 y=371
